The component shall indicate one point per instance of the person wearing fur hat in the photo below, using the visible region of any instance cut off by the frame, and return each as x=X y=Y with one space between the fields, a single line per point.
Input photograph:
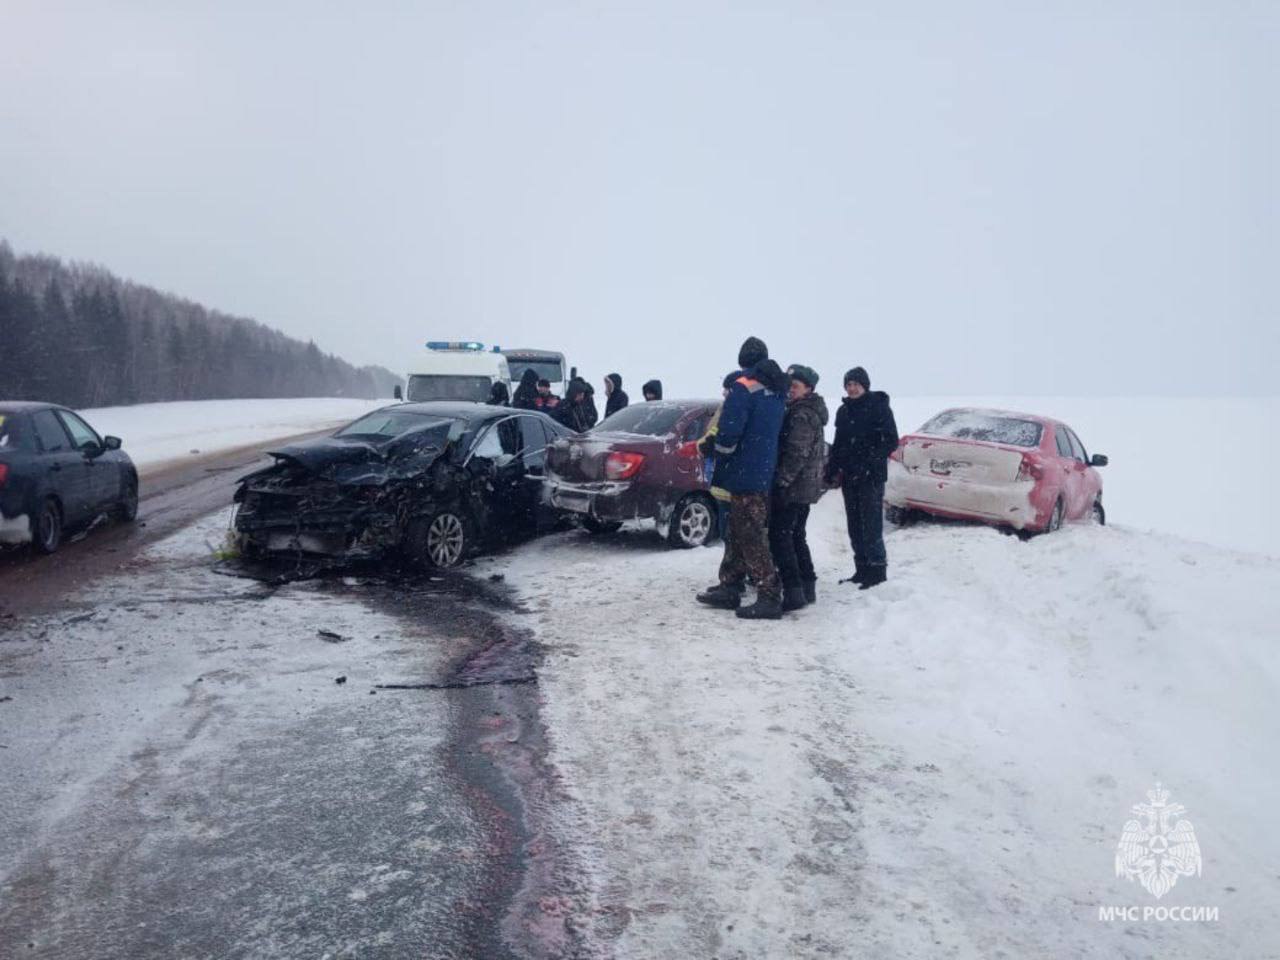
x=617 y=398
x=866 y=434
x=746 y=450
x=797 y=485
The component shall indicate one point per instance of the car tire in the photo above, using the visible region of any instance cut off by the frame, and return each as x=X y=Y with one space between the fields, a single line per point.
x=1099 y=513
x=900 y=516
x=441 y=540
x=1056 y=517
x=127 y=508
x=595 y=525
x=46 y=536
x=693 y=522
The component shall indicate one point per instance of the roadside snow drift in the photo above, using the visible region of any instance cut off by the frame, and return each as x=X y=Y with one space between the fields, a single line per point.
x=160 y=433
x=942 y=766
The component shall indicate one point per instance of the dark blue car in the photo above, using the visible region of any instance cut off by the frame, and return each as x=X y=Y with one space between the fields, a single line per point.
x=57 y=474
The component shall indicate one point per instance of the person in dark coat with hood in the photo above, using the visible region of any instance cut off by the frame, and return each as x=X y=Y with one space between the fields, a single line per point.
x=865 y=436
x=499 y=396
x=746 y=449
x=577 y=410
x=797 y=485
x=617 y=397
x=526 y=397
x=652 y=390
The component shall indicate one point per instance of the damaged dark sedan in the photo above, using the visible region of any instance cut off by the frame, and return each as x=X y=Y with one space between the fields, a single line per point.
x=430 y=482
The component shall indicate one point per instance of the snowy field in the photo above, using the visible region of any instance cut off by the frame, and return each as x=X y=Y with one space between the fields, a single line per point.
x=940 y=767
x=158 y=434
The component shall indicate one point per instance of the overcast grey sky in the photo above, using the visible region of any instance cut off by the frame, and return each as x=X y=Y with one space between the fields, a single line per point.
x=963 y=197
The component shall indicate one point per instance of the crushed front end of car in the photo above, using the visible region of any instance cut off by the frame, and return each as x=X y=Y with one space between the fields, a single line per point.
x=343 y=497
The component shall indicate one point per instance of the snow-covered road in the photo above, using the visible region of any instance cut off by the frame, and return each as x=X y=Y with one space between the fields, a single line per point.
x=939 y=767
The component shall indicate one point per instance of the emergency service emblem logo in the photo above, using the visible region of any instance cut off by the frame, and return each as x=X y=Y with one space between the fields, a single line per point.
x=1155 y=849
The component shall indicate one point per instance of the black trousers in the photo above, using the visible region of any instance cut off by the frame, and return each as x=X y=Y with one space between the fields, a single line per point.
x=864 y=512
x=789 y=543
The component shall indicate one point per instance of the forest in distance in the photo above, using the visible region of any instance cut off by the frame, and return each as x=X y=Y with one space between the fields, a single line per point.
x=76 y=334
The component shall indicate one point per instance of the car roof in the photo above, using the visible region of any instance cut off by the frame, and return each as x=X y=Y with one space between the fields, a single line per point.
x=27 y=406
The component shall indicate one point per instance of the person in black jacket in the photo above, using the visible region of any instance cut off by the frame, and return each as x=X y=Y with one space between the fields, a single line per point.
x=526 y=397
x=617 y=397
x=865 y=436
x=499 y=395
x=652 y=390
x=577 y=410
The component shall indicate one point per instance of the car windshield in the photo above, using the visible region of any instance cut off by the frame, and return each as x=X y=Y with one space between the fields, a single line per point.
x=987 y=427
x=388 y=424
x=545 y=369
x=646 y=419
x=438 y=386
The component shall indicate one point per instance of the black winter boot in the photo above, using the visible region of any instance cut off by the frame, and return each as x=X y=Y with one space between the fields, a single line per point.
x=874 y=576
x=859 y=574
x=810 y=591
x=765 y=608
x=793 y=599
x=723 y=596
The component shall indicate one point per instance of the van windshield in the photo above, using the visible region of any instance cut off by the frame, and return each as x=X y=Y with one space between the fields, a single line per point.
x=548 y=370
x=439 y=386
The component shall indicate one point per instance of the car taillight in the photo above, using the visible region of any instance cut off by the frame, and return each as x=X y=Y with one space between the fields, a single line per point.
x=897 y=451
x=1028 y=469
x=4 y=473
x=623 y=466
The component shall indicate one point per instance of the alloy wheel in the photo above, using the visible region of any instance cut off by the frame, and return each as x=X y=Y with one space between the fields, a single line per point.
x=695 y=523
x=445 y=540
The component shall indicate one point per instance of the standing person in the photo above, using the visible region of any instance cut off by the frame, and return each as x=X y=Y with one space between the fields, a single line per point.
x=747 y=440
x=865 y=436
x=707 y=447
x=617 y=398
x=545 y=400
x=797 y=485
x=526 y=397
x=652 y=390
x=578 y=409
x=498 y=395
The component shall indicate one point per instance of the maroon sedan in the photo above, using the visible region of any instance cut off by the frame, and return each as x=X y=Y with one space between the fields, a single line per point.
x=641 y=463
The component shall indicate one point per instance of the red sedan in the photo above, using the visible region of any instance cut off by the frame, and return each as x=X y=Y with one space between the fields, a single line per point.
x=1017 y=470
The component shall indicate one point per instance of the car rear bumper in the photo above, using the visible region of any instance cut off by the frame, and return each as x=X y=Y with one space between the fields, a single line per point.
x=609 y=500
x=15 y=530
x=1009 y=504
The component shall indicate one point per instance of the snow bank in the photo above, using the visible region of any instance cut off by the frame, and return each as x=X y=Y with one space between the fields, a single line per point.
x=942 y=766
x=1200 y=468
x=158 y=433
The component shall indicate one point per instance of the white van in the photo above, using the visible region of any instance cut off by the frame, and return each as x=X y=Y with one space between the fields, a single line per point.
x=456 y=370
x=547 y=364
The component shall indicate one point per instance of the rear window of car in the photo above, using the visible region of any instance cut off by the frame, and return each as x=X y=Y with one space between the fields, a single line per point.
x=645 y=419
x=385 y=424
x=10 y=435
x=987 y=427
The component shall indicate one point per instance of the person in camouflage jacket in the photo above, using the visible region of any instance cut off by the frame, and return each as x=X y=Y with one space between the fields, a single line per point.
x=798 y=484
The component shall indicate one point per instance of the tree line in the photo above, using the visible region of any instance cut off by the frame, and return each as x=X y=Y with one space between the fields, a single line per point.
x=76 y=334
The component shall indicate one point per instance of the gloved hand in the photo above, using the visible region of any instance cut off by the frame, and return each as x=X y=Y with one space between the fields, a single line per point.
x=707 y=446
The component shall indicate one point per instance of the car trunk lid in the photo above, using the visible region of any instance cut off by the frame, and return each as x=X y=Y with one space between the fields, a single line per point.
x=969 y=460
x=582 y=459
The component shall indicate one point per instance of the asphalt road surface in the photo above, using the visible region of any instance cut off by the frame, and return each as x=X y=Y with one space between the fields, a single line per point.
x=205 y=765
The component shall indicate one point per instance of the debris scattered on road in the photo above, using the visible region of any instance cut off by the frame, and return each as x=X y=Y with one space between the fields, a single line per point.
x=497 y=577
x=79 y=618
x=5 y=699
x=331 y=636
x=340 y=680
x=458 y=684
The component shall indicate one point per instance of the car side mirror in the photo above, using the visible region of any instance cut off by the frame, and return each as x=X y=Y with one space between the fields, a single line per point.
x=398 y=393
x=112 y=443
x=1098 y=460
